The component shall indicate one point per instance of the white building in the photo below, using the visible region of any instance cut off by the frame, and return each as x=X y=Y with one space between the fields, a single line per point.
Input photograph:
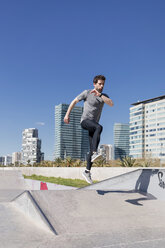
x=16 y=158
x=106 y=151
x=147 y=129
x=31 y=146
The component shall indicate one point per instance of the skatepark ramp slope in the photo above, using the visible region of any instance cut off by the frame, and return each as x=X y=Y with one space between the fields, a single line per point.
x=64 y=212
x=150 y=181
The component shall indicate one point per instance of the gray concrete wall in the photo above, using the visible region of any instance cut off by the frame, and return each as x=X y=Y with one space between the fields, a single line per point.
x=98 y=173
x=11 y=179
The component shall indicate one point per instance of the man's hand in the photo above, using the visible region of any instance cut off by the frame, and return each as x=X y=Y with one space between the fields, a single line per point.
x=66 y=119
x=96 y=93
x=71 y=106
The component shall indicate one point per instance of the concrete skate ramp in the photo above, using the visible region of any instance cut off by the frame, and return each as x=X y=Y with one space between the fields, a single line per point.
x=150 y=181
x=11 y=179
x=90 y=211
x=98 y=207
x=26 y=204
x=12 y=183
x=86 y=218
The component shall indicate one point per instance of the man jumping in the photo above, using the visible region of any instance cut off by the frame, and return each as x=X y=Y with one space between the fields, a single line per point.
x=93 y=104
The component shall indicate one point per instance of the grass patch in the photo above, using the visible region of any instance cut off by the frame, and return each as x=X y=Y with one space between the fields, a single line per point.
x=61 y=181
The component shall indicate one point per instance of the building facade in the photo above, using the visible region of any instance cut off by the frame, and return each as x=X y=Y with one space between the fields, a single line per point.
x=107 y=152
x=6 y=160
x=2 y=160
x=16 y=158
x=70 y=139
x=147 y=129
x=121 y=140
x=31 y=146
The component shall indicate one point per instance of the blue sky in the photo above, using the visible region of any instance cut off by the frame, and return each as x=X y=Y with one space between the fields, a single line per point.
x=51 y=50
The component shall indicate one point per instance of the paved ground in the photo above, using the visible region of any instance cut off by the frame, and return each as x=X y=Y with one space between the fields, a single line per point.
x=83 y=218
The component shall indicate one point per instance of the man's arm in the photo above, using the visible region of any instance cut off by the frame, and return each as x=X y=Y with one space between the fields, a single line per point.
x=106 y=99
x=71 y=106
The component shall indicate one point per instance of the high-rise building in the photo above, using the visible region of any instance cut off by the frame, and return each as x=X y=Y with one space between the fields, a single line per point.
x=16 y=158
x=7 y=160
x=147 y=128
x=121 y=140
x=70 y=139
x=31 y=146
x=2 y=160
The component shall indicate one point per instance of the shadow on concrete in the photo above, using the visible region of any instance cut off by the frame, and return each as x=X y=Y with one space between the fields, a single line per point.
x=103 y=192
x=144 y=179
x=131 y=201
x=137 y=201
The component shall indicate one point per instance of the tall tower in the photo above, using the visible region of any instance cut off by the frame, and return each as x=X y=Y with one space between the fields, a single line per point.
x=31 y=146
x=147 y=128
x=70 y=139
x=121 y=140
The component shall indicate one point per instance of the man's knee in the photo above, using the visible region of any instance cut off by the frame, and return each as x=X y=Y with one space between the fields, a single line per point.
x=100 y=128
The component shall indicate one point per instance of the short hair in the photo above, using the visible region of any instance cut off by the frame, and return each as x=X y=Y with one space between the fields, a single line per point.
x=98 y=77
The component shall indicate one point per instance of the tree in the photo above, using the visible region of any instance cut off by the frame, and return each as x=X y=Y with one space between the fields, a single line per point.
x=58 y=162
x=69 y=161
x=127 y=162
x=28 y=161
x=100 y=162
x=78 y=163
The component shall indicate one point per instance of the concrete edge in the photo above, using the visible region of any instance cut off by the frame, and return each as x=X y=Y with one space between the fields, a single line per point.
x=92 y=186
x=28 y=206
x=98 y=173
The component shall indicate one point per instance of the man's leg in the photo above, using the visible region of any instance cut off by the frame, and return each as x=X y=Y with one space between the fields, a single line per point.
x=94 y=130
x=96 y=136
x=89 y=163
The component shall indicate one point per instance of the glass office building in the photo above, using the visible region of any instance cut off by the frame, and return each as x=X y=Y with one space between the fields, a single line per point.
x=147 y=129
x=70 y=139
x=121 y=140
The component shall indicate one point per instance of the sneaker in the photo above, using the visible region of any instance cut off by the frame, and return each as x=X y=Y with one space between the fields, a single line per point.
x=87 y=177
x=96 y=157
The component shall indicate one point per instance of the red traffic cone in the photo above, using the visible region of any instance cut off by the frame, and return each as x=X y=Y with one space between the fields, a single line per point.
x=43 y=186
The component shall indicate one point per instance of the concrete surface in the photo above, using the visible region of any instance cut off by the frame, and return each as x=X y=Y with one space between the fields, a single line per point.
x=11 y=179
x=98 y=173
x=151 y=181
x=77 y=212
x=98 y=218
x=28 y=206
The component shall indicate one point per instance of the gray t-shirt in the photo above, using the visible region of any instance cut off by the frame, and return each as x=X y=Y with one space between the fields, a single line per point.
x=92 y=105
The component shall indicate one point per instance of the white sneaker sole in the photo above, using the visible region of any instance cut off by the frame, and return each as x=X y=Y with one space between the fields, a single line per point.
x=97 y=158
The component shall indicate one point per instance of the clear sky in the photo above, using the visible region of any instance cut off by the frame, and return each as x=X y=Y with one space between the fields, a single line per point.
x=51 y=50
